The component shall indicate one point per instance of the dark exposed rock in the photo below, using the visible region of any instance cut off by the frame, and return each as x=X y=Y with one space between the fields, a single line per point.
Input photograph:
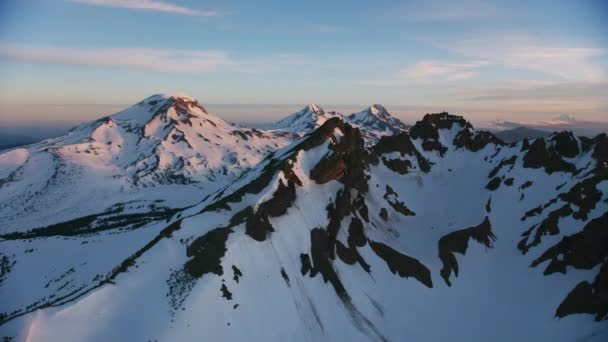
x=427 y=129
x=583 y=250
x=346 y=163
x=539 y=156
x=475 y=141
x=600 y=151
x=225 y=293
x=401 y=264
x=258 y=226
x=360 y=206
x=384 y=214
x=398 y=165
x=206 y=253
x=509 y=181
x=458 y=242
x=396 y=204
x=350 y=255
x=320 y=250
x=306 y=265
x=237 y=273
x=356 y=237
x=258 y=223
x=538 y=210
x=585 y=195
x=503 y=163
x=526 y=184
x=588 y=298
x=493 y=184
x=285 y=276
x=403 y=144
x=548 y=226
x=328 y=169
x=565 y=144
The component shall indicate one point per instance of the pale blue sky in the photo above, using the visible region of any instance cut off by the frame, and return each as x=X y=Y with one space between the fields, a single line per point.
x=68 y=60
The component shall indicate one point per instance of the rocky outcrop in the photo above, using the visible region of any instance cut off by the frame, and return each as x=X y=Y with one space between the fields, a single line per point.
x=475 y=141
x=541 y=156
x=403 y=144
x=458 y=242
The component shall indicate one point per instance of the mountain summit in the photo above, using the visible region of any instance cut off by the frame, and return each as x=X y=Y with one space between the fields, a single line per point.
x=376 y=122
x=166 y=141
x=305 y=120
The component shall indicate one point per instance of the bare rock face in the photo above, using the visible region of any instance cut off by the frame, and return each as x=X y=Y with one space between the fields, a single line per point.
x=347 y=162
x=565 y=144
x=475 y=141
x=458 y=242
x=403 y=144
x=428 y=129
x=541 y=156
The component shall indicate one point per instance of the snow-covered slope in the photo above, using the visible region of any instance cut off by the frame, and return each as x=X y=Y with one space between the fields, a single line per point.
x=165 y=148
x=441 y=233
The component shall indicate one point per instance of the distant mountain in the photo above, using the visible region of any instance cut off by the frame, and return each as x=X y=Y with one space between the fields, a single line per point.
x=520 y=133
x=443 y=232
x=376 y=122
x=163 y=142
x=304 y=121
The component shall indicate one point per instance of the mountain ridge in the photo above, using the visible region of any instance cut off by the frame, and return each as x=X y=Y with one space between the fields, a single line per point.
x=339 y=239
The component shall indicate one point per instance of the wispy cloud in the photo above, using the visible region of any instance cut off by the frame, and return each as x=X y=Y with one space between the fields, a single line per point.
x=564 y=122
x=447 y=10
x=159 y=60
x=165 y=60
x=149 y=5
x=522 y=51
x=448 y=70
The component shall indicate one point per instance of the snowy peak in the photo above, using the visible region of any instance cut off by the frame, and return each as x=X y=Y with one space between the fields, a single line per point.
x=379 y=111
x=305 y=120
x=376 y=122
x=167 y=107
x=315 y=109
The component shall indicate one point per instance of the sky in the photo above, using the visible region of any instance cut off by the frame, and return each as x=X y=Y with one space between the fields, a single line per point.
x=69 y=61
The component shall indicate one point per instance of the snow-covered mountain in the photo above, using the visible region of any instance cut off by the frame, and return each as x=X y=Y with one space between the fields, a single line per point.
x=304 y=121
x=376 y=122
x=165 y=143
x=443 y=232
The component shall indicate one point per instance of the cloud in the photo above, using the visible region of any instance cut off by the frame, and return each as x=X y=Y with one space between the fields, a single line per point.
x=149 y=5
x=432 y=68
x=447 y=10
x=536 y=90
x=521 y=51
x=565 y=118
x=165 y=60
x=579 y=127
x=159 y=60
